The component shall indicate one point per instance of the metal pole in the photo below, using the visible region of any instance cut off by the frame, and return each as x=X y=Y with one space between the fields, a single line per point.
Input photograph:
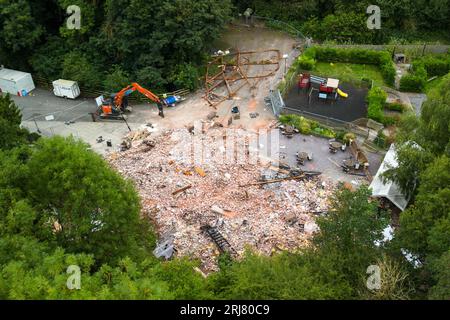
x=35 y=123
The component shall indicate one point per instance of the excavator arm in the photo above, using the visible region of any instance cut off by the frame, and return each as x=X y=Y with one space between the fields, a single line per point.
x=118 y=98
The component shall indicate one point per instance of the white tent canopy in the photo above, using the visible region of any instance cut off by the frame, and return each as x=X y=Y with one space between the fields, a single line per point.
x=388 y=189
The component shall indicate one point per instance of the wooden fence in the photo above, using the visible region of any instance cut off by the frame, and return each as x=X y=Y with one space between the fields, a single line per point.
x=44 y=83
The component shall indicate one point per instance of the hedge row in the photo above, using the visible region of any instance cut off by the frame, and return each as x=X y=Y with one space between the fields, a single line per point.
x=376 y=100
x=424 y=68
x=382 y=59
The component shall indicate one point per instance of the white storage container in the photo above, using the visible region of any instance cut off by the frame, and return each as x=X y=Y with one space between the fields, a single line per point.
x=66 y=89
x=16 y=82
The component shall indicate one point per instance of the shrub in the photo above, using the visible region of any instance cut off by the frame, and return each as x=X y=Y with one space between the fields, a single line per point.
x=436 y=66
x=306 y=126
x=395 y=107
x=185 y=76
x=376 y=100
x=390 y=120
x=306 y=63
x=424 y=68
x=116 y=79
x=387 y=67
x=348 y=136
x=78 y=68
x=412 y=83
x=380 y=140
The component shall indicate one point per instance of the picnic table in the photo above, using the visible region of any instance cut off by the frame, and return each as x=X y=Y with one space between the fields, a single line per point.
x=334 y=146
x=302 y=156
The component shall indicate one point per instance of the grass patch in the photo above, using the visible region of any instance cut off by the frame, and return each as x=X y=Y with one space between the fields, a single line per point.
x=350 y=72
x=306 y=126
x=429 y=86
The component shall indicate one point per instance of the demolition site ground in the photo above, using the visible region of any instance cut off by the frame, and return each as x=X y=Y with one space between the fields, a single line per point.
x=203 y=207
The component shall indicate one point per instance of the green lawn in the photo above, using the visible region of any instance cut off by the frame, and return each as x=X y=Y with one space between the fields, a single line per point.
x=348 y=72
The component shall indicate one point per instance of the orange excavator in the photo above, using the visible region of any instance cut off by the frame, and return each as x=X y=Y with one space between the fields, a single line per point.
x=117 y=104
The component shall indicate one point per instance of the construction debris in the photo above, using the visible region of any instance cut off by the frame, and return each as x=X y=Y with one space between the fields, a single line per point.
x=266 y=215
x=227 y=74
x=181 y=190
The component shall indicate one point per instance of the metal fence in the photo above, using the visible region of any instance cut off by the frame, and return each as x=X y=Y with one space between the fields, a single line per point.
x=93 y=92
x=275 y=102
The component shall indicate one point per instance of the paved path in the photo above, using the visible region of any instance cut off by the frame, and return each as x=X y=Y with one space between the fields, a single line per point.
x=42 y=103
x=417 y=100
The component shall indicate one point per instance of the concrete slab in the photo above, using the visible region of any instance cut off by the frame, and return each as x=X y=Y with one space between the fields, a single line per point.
x=323 y=160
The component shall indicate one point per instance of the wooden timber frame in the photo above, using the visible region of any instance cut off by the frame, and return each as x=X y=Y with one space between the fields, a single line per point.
x=233 y=69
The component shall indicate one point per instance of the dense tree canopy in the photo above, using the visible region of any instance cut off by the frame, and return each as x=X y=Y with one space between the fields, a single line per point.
x=148 y=40
x=345 y=21
x=425 y=173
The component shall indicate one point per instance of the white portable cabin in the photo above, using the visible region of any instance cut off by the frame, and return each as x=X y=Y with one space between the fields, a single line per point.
x=16 y=82
x=66 y=89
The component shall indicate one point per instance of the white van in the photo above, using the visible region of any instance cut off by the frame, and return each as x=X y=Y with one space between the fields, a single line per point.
x=15 y=82
x=66 y=89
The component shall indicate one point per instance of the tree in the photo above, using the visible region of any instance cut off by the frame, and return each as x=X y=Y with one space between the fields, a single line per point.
x=441 y=275
x=85 y=207
x=11 y=134
x=435 y=119
x=349 y=232
x=282 y=276
x=424 y=174
x=425 y=227
x=78 y=68
x=48 y=59
x=116 y=80
x=19 y=31
x=412 y=160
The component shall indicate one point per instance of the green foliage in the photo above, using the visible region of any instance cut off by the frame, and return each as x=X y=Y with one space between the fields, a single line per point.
x=357 y=56
x=412 y=83
x=435 y=129
x=376 y=100
x=348 y=137
x=424 y=175
x=47 y=60
x=185 y=76
x=87 y=24
x=346 y=27
x=281 y=276
x=394 y=282
x=425 y=227
x=424 y=68
x=399 y=107
x=11 y=134
x=116 y=80
x=345 y=21
x=380 y=140
x=306 y=126
x=441 y=275
x=76 y=67
x=306 y=63
x=348 y=233
x=19 y=32
x=435 y=65
x=39 y=273
x=160 y=44
x=85 y=207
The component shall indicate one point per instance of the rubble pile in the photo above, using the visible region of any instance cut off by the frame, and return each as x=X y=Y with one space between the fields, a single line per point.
x=181 y=197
